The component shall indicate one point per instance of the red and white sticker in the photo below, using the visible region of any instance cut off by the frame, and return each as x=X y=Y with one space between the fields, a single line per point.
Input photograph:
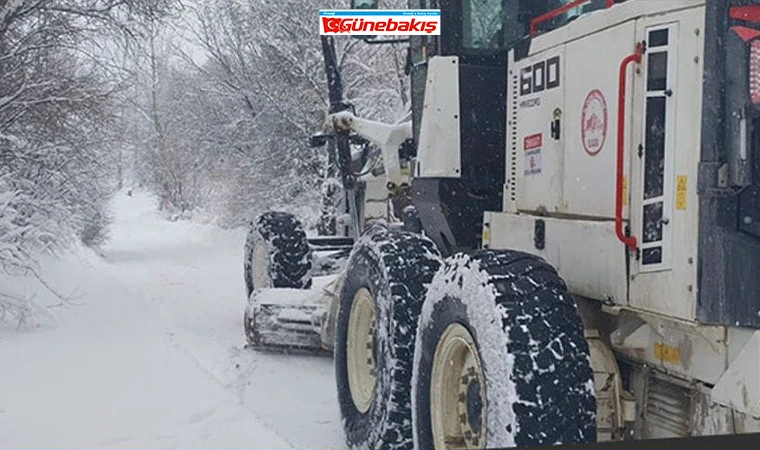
x=533 y=141
x=594 y=122
x=532 y=156
x=380 y=22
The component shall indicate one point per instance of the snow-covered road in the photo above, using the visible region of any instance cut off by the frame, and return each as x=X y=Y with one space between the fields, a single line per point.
x=151 y=355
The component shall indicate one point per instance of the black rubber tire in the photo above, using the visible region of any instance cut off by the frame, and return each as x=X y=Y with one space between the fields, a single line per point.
x=395 y=266
x=290 y=256
x=529 y=336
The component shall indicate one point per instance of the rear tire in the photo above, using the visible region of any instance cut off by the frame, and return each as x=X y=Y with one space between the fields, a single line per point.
x=517 y=368
x=277 y=253
x=384 y=288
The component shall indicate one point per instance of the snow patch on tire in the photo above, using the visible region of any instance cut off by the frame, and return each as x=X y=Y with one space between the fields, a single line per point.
x=397 y=266
x=290 y=257
x=516 y=306
x=481 y=309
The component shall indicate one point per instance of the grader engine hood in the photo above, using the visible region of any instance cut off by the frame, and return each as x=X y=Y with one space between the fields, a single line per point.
x=594 y=160
x=632 y=155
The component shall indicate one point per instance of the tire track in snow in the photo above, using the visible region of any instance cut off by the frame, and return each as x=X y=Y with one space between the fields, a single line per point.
x=171 y=337
x=190 y=279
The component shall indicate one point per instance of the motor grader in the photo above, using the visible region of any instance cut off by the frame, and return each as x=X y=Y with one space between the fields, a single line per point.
x=560 y=243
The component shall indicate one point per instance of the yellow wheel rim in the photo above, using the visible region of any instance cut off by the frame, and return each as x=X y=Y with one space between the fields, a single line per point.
x=457 y=392
x=360 y=350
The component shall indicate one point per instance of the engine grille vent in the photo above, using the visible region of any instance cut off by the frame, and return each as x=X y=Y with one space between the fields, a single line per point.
x=667 y=410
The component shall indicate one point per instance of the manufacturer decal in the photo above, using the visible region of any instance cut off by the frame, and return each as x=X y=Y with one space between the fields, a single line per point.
x=530 y=103
x=380 y=22
x=532 y=156
x=594 y=122
x=539 y=77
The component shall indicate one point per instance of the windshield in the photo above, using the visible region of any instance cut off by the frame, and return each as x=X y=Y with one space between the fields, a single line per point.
x=530 y=9
x=494 y=24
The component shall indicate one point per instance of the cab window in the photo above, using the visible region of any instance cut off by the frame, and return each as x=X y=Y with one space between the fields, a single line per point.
x=491 y=25
x=483 y=24
x=530 y=9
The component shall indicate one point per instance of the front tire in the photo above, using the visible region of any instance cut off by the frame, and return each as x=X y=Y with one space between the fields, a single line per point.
x=500 y=357
x=384 y=288
x=277 y=253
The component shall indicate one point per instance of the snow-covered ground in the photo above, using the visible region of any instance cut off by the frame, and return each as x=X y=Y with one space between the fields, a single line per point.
x=151 y=353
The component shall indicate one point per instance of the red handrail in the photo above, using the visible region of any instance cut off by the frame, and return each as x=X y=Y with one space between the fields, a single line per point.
x=636 y=57
x=536 y=21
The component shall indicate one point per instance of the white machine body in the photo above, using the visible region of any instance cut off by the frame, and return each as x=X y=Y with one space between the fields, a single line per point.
x=567 y=132
x=563 y=128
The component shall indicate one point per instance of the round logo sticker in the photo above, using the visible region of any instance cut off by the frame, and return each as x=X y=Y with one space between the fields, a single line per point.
x=594 y=122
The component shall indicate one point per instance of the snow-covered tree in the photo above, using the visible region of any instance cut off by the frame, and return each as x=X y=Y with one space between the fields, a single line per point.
x=58 y=81
x=244 y=114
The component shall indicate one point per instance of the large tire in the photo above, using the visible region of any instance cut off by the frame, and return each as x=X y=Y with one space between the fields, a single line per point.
x=285 y=257
x=392 y=269
x=515 y=316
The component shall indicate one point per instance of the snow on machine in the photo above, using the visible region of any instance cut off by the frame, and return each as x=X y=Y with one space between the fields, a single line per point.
x=559 y=244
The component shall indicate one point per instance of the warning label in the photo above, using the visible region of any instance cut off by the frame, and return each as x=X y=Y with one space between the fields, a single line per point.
x=532 y=156
x=681 y=192
x=533 y=141
x=532 y=162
